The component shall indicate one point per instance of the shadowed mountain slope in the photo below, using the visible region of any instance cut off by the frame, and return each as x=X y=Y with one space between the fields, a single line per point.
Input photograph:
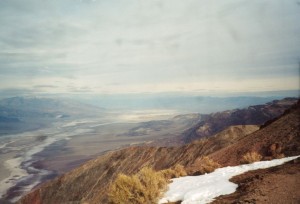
x=253 y=115
x=282 y=134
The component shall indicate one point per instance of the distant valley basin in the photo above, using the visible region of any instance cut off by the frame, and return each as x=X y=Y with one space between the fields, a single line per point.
x=70 y=133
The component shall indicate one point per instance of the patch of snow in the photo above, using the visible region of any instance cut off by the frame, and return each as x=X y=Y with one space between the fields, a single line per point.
x=204 y=188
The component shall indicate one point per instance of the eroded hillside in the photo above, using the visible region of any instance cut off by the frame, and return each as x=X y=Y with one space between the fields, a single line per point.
x=253 y=115
x=89 y=182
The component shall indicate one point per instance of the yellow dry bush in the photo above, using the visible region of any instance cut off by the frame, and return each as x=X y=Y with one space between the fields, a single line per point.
x=207 y=165
x=174 y=172
x=179 y=170
x=144 y=187
x=251 y=157
x=168 y=173
x=127 y=189
x=154 y=182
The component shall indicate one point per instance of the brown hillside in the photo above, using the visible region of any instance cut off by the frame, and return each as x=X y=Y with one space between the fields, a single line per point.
x=253 y=115
x=283 y=133
x=278 y=185
x=90 y=181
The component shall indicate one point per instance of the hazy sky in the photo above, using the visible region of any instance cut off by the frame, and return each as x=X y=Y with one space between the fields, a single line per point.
x=118 y=46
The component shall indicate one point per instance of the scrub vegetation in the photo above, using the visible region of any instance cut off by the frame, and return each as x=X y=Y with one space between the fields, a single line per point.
x=146 y=186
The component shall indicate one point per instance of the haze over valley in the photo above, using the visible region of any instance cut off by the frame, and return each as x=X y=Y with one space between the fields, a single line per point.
x=119 y=89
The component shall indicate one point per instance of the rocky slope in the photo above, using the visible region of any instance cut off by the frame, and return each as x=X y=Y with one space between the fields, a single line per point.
x=281 y=135
x=89 y=182
x=253 y=115
x=274 y=185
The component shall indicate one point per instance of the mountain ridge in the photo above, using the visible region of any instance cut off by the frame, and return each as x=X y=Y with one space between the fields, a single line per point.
x=252 y=115
x=20 y=114
x=95 y=176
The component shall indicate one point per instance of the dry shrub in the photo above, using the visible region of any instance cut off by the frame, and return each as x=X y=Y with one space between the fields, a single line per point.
x=202 y=165
x=179 y=171
x=168 y=173
x=207 y=165
x=174 y=172
x=275 y=151
x=154 y=182
x=251 y=157
x=126 y=189
x=143 y=187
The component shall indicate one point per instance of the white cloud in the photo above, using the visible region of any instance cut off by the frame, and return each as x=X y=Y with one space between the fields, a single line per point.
x=167 y=45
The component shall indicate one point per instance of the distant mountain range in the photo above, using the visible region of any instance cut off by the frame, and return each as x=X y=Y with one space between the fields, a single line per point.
x=210 y=124
x=183 y=103
x=89 y=183
x=198 y=125
x=20 y=114
x=47 y=105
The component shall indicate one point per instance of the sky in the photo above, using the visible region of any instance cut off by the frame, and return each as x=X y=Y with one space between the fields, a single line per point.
x=136 y=46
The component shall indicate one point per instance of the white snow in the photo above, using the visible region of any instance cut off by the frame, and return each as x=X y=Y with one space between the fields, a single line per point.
x=203 y=189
